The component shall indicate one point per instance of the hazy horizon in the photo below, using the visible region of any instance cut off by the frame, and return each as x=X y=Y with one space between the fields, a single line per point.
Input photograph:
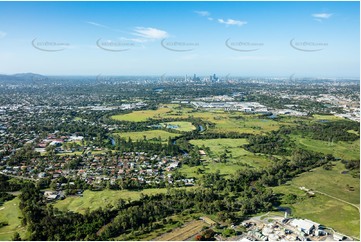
x=190 y=75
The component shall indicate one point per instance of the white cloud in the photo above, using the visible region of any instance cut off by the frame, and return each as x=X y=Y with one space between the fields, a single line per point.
x=322 y=15
x=203 y=13
x=232 y=22
x=2 y=34
x=210 y=19
x=137 y=40
x=97 y=24
x=150 y=33
x=103 y=26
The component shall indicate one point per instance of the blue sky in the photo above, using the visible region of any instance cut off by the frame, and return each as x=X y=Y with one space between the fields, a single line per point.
x=308 y=39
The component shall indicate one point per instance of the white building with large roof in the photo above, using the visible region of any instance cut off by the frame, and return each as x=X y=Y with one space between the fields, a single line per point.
x=302 y=225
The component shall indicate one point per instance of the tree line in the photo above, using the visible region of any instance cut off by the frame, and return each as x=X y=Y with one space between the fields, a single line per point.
x=331 y=131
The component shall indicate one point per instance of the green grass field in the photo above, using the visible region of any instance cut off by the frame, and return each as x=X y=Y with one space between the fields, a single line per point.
x=249 y=125
x=177 y=111
x=182 y=126
x=234 y=147
x=319 y=179
x=226 y=169
x=341 y=149
x=239 y=158
x=140 y=116
x=10 y=213
x=151 y=134
x=322 y=209
x=326 y=117
x=237 y=122
x=96 y=199
x=217 y=146
x=224 y=121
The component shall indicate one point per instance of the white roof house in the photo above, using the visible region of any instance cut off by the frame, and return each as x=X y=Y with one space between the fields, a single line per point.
x=52 y=197
x=244 y=239
x=314 y=223
x=338 y=236
x=303 y=225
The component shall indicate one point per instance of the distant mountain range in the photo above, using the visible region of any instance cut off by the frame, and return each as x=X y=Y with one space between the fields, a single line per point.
x=23 y=77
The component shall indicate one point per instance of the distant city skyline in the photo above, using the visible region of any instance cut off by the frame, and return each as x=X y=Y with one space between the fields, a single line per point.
x=261 y=39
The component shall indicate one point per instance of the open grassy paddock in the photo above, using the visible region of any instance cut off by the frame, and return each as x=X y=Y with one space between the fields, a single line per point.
x=150 y=134
x=323 y=209
x=236 y=122
x=10 y=213
x=326 y=117
x=239 y=158
x=319 y=179
x=226 y=169
x=181 y=126
x=96 y=199
x=236 y=152
x=210 y=167
x=218 y=146
x=164 y=111
x=248 y=125
x=344 y=150
x=143 y=115
x=224 y=121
